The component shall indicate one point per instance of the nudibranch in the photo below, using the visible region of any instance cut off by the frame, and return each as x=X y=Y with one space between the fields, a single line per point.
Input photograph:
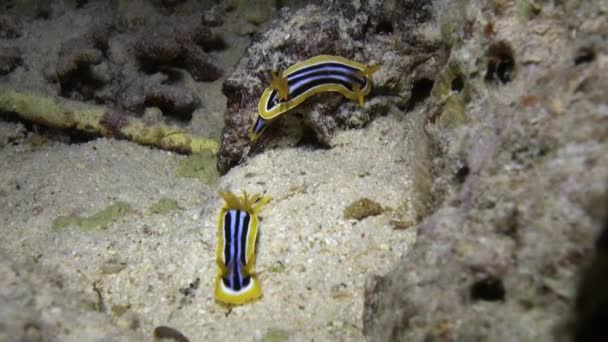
x=236 y=281
x=293 y=86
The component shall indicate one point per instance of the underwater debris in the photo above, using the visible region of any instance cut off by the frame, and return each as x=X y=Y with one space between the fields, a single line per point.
x=191 y=289
x=119 y=310
x=339 y=291
x=49 y=111
x=277 y=267
x=112 y=266
x=363 y=208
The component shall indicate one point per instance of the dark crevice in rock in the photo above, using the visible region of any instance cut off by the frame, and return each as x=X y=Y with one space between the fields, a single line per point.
x=8 y=5
x=10 y=27
x=462 y=171
x=421 y=90
x=168 y=4
x=584 y=55
x=458 y=84
x=384 y=27
x=591 y=307
x=489 y=288
x=161 y=47
x=172 y=108
x=310 y=140
x=157 y=56
x=167 y=75
x=10 y=58
x=80 y=84
x=43 y=10
x=81 y=3
x=207 y=40
x=82 y=68
x=501 y=62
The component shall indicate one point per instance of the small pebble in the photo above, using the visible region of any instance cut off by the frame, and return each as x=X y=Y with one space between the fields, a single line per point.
x=165 y=332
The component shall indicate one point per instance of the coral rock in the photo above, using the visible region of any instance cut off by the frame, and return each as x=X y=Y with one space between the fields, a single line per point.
x=10 y=58
x=339 y=29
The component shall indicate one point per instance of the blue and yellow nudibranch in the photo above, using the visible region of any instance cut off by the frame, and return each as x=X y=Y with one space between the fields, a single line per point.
x=293 y=86
x=236 y=281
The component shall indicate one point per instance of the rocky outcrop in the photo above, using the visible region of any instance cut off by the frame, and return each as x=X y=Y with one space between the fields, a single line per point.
x=522 y=138
x=393 y=35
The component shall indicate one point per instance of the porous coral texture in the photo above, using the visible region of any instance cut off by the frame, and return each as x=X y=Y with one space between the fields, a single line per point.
x=129 y=56
x=523 y=176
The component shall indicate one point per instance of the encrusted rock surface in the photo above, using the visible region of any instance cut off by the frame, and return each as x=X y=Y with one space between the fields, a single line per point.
x=397 y=36
x=125 y=55
x=521 y=128
x=10 y=58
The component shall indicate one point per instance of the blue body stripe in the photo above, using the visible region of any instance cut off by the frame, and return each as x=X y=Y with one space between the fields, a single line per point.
x=232 y=262
x=237 y=269
x=236 y=231
x=273 y=100
x=330 y=68
x=260 y=125
x=316 y=75
x=327 y=67
x=304 y=84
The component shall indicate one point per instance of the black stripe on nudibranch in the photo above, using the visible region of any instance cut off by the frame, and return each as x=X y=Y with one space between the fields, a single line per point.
x=243 y=239
x=227 y=236
x=260 y=125
x=236 y=230
x=322 y=69
x=273 y=100
x=313 y=76
x=314 y=81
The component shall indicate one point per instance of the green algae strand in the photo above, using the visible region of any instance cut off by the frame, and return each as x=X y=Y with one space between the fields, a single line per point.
x=201 y=166
x=163 y=206
x=99 y=220
x=276 y=335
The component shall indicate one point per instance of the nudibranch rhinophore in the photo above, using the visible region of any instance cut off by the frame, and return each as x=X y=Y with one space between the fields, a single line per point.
x=236 y=281
x=293 y=86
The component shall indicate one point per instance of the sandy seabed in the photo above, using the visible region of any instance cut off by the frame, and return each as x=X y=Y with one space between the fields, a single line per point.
x=149 y=269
